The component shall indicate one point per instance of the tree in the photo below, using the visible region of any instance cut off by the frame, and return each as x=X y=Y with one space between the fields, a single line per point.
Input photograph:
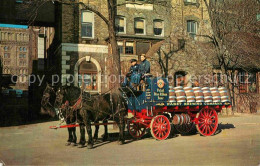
x=235 y=40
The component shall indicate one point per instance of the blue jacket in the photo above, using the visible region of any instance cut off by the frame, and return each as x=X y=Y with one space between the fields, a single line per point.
x=134 y=69
x=144 y=67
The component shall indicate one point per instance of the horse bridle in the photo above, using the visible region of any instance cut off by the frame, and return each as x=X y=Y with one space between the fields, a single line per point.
x=46 y=96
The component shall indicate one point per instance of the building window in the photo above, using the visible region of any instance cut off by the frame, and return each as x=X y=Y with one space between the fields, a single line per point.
x=120 y=24
x=6 y=48
x=6 y=55
x=158 y=27
x=7 y=63
x=88 y=76
x=192 y=27
x=247 y=82
x=190 y=1
x=121 y=47
x=139 y=26
x=129 y=47
x=21 y=49
x=24 y=49
x=87 y=29
x=22 y=56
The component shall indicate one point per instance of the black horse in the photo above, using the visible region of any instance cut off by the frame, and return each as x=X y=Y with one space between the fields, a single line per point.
x=98 y=108
x=110 y=106
x=69 y=101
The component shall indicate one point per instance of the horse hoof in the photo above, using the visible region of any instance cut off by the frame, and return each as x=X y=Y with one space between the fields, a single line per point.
x=95 y=139
x=104 y=139
x=68 y=144
x=75 y=144
x=121 y=142
x=90 y=146
x=81 y=146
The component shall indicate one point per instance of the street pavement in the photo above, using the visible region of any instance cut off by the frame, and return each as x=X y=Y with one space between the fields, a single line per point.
x=237 y=143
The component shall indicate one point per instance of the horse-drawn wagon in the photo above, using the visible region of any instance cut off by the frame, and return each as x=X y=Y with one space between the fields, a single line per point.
x=159 y=105
x=154 y=105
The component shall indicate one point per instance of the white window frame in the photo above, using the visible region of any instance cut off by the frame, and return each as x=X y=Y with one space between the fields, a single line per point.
x=191 y=1
x=93 y=25
x=144 y=26
x=124 y=24
x=196 y=28
x=157 y=20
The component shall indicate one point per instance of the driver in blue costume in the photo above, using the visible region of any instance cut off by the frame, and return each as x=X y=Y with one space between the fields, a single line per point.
x=133 y=74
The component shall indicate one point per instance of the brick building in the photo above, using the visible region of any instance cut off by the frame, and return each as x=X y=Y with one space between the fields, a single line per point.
x=20 y=46
x=83 y=51
x=83 y=36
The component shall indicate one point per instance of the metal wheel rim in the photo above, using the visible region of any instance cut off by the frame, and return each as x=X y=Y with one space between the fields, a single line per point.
x=136 y=130
x=207 y=121
x=160 y=127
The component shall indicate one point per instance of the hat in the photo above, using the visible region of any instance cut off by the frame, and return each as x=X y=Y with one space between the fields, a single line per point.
x=133 y=60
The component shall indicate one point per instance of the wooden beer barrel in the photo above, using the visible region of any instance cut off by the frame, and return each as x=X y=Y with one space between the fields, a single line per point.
x=178 y=88
x=224 y=94
x=196 y=88
x=189 y=94
x=205 y=89
x=215 y=94
x=207 y=94
x=181 y=99
x=191 y=99
x=199 y=99
x=187 y=88
x=199 y=94
x=172 y=95
x=180 y=93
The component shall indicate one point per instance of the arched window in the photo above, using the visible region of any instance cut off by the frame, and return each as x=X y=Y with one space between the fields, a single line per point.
x=88 y=76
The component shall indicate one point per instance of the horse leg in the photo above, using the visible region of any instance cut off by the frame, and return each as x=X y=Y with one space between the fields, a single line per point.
x=73 y=129
x=70 y=137
x=96 y=132
x=105 y=135
x=82 y=141
x=121 y=130
x=89 y=130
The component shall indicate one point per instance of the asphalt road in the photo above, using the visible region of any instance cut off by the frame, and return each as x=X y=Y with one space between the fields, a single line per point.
x=238 y=143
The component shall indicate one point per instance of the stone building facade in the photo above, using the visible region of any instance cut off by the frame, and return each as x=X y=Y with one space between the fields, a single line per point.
x=20 y=47
x=84 y=51
x=85 y=54
x=14 y=52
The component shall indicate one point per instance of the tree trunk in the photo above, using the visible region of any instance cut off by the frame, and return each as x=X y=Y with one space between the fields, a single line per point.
x=116 y=67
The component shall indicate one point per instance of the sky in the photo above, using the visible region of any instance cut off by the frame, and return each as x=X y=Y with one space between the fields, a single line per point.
x=13 y=26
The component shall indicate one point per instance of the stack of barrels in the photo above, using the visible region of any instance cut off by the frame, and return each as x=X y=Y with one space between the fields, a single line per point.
x=180 y=93
x=172 y=95
x=197 y=94
x=223 y=94
x=190 y=94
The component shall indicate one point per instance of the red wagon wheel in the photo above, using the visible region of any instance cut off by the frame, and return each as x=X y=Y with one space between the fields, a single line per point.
x=207 y=121
x=160 y=127
x=184 y=128
x=136 y=130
